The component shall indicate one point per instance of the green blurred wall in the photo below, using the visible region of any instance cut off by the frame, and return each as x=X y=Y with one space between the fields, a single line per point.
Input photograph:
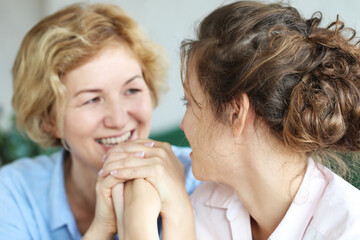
x=173 y=136
x=14 y=145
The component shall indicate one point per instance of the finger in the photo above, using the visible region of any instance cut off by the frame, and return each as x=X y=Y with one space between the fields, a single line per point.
x=135 y=146
x=128 y=163
x=151 y=148
x=114 y=156
x=104 y=185
x=125 y=150
x=146 y=172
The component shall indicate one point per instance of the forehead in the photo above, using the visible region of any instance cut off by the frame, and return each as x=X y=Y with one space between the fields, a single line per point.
x=114 y=63
x=193 y=90
x=191 y=82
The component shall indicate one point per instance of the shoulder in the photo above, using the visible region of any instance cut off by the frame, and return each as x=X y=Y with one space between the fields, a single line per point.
x=25 y=187
x=213 y=194
x=30 y=177
x=30 y=168
x=338 y=212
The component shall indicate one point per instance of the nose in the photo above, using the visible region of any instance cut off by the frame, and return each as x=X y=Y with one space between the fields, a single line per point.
x=182 y=123
x=116 y=115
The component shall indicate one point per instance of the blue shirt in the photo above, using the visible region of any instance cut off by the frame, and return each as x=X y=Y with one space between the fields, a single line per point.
x=33 y=201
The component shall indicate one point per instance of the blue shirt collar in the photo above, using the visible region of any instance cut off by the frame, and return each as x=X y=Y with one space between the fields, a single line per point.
x=60 y=211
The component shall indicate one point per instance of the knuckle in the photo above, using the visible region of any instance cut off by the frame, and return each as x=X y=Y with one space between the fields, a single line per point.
x=157 y=160
x=162 y=153
x=125 y=163
x=129 y=173
x=166 y=145
x=159 y=170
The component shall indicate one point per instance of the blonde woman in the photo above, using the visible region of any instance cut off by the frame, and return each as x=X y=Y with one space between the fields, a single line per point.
x=87 y=79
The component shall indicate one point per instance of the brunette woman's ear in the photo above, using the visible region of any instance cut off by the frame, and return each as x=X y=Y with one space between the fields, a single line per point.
x=239 y=113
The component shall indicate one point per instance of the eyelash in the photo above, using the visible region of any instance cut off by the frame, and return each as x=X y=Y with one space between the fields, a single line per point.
x=185 y=101
x=132 y=91
x=93 y=100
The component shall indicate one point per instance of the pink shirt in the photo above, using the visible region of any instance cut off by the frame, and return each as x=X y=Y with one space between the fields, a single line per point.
x=325 y=207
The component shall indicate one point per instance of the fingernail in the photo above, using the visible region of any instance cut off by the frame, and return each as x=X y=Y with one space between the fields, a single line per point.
x=149 y=144
x=103 y=158
x=101 y=172
x=114 y=172
x=139 y=154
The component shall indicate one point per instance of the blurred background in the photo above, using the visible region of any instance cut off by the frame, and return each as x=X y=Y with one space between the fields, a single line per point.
x=166 y=22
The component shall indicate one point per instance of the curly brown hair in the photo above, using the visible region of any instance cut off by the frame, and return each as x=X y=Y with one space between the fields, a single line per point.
x=301 y=79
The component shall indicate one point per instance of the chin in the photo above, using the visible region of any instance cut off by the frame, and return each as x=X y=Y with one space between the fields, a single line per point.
x=199 y=172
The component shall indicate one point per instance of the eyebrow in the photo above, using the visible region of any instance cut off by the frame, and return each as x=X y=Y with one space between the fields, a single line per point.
x=95 y=90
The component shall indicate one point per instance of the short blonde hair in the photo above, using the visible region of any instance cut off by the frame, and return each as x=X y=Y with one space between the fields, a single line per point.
x=62 y=42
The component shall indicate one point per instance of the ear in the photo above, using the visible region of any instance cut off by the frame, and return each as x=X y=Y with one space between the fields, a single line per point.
x=50 y=126
x=239 y=113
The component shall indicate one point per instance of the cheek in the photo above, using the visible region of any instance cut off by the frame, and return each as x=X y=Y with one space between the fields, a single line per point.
x=81 y=123
x=141 y=109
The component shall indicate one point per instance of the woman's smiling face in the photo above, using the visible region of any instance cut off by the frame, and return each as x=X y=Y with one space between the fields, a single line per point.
x=107 y=102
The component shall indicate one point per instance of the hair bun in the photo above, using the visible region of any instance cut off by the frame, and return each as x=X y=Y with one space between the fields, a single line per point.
x=324 y=109
x=323 y=114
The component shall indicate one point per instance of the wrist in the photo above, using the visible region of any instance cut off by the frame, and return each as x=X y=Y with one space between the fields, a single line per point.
x=141 y=228
x=96 y=231
x=178 y=223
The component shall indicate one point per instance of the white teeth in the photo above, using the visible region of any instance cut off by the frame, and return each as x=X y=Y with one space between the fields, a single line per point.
x=115 y=140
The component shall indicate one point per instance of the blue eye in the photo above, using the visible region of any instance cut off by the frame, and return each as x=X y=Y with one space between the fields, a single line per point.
x=132 y=91
x=93 y=100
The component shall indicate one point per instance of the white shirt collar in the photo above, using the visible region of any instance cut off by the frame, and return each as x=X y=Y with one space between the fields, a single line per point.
x=299 y=214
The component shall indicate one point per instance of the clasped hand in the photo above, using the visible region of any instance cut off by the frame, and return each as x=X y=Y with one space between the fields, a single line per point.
x=142 y=179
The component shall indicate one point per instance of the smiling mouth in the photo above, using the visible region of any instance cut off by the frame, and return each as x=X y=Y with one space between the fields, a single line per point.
x=112 y=141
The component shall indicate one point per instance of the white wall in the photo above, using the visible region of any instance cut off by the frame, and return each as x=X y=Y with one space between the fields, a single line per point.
x=167 y=22
x=16 y=18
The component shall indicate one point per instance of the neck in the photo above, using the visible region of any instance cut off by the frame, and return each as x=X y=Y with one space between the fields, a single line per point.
x=80 y=190
x=267 y=186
